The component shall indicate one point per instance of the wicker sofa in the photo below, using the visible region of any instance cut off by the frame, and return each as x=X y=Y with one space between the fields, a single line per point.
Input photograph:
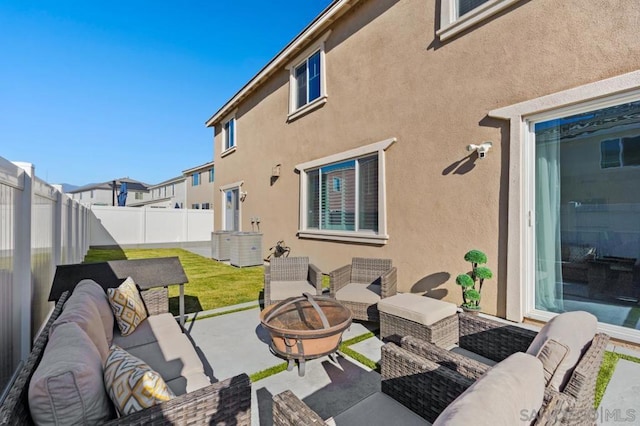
x=197 y=401
x=427 y=379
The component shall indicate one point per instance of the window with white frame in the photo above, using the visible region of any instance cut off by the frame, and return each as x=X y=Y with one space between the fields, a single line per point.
x=229 y=134
x=458 y=15
x=620 y=152
x=343 y=196
x=307 y=82
x=211 y=175
x=195 y=179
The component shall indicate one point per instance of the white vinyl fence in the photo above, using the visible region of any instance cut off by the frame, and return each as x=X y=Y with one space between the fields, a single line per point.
x=39 y=229
x=134 y=226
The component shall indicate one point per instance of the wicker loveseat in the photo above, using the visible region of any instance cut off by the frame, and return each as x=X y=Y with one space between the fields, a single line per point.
x=197 y=401
x=427 y=379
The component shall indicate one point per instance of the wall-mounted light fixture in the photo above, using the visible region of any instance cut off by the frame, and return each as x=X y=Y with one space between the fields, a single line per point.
x=243 y=195
x=482 y=149
x=275 y=170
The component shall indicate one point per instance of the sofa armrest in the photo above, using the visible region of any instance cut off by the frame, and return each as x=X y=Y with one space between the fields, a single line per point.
x=492 y=339
x=339 y=278
x=225 y=402
x=389 y=283
x=315 y=278
x=582 y=384
x=468 y=367
x=288 y=410
x=561 y=409
x=419 y=384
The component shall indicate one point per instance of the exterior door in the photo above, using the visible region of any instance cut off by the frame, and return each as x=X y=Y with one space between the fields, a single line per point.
x=232 y=209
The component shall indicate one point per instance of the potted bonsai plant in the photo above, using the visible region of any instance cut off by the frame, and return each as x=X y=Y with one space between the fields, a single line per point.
x=472 y=281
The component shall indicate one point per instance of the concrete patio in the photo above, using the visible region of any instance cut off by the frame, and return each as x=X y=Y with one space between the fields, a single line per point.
x=234 y=343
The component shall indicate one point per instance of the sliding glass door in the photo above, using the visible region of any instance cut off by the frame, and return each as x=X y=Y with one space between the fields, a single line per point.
x=587 y=213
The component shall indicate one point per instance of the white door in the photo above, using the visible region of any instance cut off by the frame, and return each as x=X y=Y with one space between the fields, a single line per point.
x=231 y=210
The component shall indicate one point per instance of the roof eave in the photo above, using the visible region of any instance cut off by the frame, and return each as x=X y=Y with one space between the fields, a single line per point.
x=319 y=24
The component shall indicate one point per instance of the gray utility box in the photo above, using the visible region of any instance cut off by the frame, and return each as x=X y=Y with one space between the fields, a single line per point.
x=246 y=249
x=220 y=244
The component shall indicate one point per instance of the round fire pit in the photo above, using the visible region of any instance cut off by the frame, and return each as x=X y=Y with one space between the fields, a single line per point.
x=305 y=327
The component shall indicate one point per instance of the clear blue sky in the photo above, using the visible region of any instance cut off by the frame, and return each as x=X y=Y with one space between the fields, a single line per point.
x=91 y=91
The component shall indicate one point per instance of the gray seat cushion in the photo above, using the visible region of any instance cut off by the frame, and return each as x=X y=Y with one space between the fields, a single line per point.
x=150 y=330
x=417 y=308
x=510 y=393
x=359 y=293
x=281 y=290
x=99 y=297
x=171 y=357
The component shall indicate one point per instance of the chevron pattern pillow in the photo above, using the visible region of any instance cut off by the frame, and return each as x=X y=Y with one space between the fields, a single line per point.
x=133 y=385
x=127 y=306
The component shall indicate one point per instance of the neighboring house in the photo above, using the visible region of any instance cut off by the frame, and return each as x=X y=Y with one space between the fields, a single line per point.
x=353 y=141
x=104 y=194
x=171 y=193
x=199 y=183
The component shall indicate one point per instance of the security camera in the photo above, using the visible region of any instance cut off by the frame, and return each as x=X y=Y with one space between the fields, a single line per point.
x=482 y=149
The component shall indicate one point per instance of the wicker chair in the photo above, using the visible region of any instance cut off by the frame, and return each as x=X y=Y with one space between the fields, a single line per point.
x=287 y=277
x=360 y=285
x=427 y=378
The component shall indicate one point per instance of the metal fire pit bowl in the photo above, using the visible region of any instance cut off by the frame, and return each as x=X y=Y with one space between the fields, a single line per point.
x=305 y=327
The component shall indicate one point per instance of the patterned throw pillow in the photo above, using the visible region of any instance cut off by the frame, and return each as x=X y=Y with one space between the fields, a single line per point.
x=127 y=306
x=133 y=385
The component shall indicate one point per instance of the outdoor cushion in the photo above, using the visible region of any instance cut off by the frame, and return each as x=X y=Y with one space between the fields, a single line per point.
x=171 y=358
x=67 y=387
x=132 y=384
x=575 y=330
x=551 y=355
x=188 y=383
x=510 y=393
x=417 y=308
x=281 y=290
x=152 y=329
x=127 y=306
x=359 y=293
x=81 y=310
x=95 y=291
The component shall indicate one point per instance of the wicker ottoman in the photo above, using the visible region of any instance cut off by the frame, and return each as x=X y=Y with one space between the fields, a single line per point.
x=423 y=317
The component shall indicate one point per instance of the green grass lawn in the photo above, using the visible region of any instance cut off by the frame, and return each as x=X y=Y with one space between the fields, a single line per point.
x=211 y=284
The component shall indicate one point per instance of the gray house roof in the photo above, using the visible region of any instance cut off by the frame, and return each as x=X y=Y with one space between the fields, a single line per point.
x=132 y=185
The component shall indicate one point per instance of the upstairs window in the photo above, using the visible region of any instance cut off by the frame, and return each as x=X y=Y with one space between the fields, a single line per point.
x=211 y=175
x=229 y=135
x=195 y=179
x=459 y=15
x=307 y=82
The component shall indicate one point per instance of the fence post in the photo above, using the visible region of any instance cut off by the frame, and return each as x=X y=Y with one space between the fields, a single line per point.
x=57 y=227
x=22 y=260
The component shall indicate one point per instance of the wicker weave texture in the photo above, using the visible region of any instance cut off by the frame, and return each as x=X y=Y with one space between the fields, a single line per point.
x=442 y=333
x=288 y=410
x=156 y=300
x=365 y=271
x=291 y=269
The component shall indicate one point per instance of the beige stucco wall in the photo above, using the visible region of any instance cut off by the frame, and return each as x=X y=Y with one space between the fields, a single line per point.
x=389 y=76
x=203 y=193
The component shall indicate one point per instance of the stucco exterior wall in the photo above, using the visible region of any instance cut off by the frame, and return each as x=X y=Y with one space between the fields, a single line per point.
x=388 y=76
x=202 y=193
